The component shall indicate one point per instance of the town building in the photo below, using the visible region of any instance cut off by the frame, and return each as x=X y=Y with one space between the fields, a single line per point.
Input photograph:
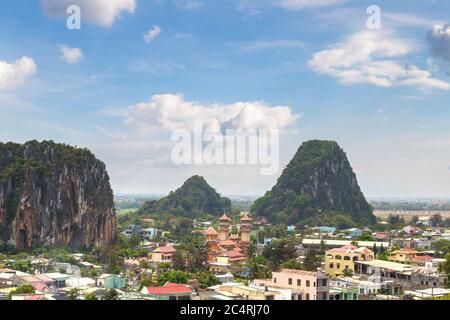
x=339 y=259
x=308 y=285
x=169 y=291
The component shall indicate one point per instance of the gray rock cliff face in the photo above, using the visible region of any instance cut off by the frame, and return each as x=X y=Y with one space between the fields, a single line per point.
x=55 y=195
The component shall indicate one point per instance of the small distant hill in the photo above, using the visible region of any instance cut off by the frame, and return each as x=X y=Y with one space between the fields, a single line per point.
x=193 y=199
x=317 y=187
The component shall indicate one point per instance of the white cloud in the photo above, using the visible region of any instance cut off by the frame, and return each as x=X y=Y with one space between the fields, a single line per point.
x=439 y=40
x=407 y=19
x=152 y=34
x=370 y=57
x=268 y=44
x=15 y=74
x=71 y=55
x=303 y=4
x=188 y=4
x=181 y=35
x=101 y=12
x=170 y=112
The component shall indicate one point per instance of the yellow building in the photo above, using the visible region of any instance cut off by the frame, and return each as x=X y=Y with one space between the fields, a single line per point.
x=339 y=259
x=403 y=256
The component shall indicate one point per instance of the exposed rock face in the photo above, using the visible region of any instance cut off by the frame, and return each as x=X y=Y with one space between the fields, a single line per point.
x=316 y=186
x=52 y=194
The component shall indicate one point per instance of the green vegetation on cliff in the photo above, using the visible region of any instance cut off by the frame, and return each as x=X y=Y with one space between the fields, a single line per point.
x=195 y=198
x=317 y=187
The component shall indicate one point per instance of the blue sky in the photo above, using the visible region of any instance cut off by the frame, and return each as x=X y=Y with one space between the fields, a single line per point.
x=382 y=94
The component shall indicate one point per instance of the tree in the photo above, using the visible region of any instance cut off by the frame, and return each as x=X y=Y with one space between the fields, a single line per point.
x=90 y=296
x=73 y=294
x=258 y=269
x=347 y=272
x=312 y=260
x=112 y=294
x=25 y=289
x=291 y=264
x=278 y=251
x=395 y=220
x=146 y=281
x=415 y=219
x=436 y=220
x=207 y=279
x=178 y=261
x=365 y=236
x=445 y=268
x=173 y=276
x=442 y=247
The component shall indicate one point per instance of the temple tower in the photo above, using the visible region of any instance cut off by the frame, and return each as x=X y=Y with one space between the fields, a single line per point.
x=224 y=227
x=245 y=233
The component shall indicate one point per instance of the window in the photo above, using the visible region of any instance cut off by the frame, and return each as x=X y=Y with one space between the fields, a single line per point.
x=338 y=266
x=314 y=284
x=299 y=282
x=346 y=258
x=338 y=257
x=274 y=280
x=307 y=295
x=331 y=265
x=308 y=285
x=290 y=280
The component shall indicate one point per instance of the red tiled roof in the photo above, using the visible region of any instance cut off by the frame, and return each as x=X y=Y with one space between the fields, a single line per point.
x=34 y=298
x=344 y=248
x=211 y=231
x=422 y=259
x=234 y=254
x=224 y=218
x=169 y=288
x=227 y=243
x=166 y=250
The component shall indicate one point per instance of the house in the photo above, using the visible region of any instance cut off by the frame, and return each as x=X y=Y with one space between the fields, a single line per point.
x=308 y=285
x=242 y=292
x=404 y=243
x=383 y=236
x=354 y=232
x=339 y=259
x=364 y=287
x=421 y=260
x=405 y=255
x=344 y=293
x=111 y=281
x=40 y=282
x=427 y=293
x=224 y=278
x=424 y=221
x=59 y=279
x=170 y=291
x=325 y=229
x=291 y=228
x=162 y=255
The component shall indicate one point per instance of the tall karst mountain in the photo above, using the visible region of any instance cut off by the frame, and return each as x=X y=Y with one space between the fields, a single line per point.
x=193 y=199
x=54 y=195
x=317 y=187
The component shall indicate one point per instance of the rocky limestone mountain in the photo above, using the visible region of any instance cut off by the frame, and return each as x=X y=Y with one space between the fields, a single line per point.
x=317 y=187
x=193 y=199
x=54 y=195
